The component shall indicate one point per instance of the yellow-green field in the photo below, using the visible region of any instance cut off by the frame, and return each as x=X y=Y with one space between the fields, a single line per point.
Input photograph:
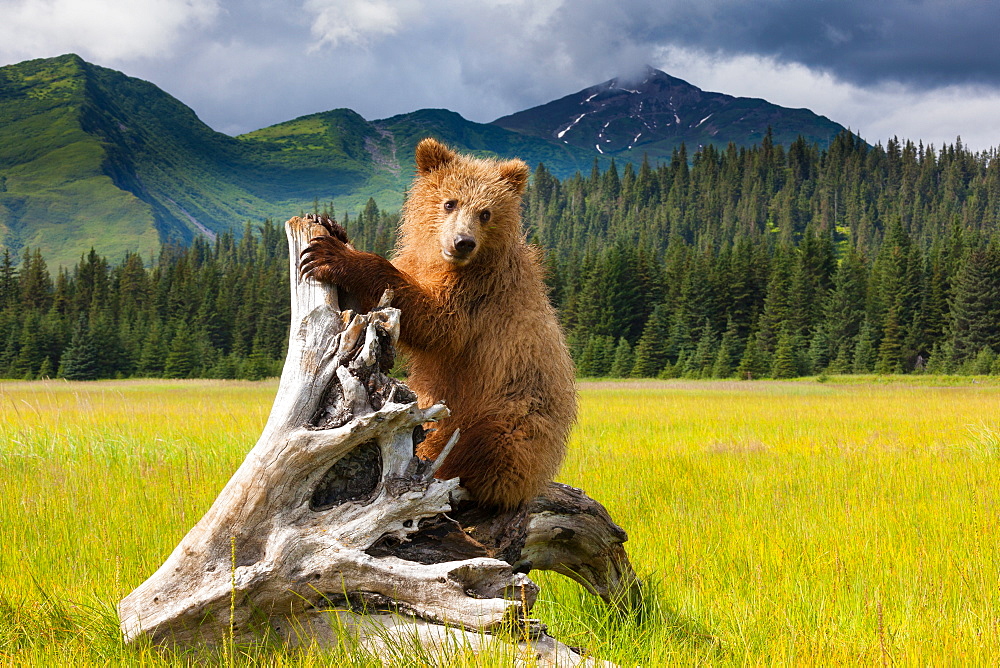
x=775 y=523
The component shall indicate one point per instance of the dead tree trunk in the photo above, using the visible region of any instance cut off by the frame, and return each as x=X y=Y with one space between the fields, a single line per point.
x=331 y=525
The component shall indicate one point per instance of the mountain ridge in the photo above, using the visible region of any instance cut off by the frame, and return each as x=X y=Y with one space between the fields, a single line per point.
x=90 y=157
x=646 y=113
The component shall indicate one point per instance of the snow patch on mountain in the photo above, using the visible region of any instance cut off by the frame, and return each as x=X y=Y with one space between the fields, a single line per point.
x=560 y=135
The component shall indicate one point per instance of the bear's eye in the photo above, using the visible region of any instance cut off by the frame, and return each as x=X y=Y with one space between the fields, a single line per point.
x=484 y=217
x=450 y=205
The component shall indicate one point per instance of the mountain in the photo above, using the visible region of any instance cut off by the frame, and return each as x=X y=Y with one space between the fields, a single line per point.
x=339 y=155
x=92 y=158
x=655 y=112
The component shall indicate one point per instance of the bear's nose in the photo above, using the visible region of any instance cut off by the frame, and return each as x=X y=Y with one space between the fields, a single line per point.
x=464 y=244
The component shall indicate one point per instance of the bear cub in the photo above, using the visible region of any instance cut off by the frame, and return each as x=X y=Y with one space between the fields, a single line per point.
x=475 y=322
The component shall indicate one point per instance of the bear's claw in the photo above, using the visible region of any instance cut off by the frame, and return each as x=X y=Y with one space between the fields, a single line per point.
x=332 y=227
x=323 y=259
x=335 y=229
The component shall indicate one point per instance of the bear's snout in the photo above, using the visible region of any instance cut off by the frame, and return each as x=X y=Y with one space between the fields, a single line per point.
x=461 y=249
x=464 y=244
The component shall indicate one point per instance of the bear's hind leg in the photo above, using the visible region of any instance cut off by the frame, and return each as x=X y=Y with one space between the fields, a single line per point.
x=504 y=462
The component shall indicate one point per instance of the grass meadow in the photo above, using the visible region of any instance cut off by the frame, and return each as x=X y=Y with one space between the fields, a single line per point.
x=793 y=523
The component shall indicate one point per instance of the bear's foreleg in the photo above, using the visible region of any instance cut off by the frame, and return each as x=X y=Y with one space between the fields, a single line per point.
x=424 y=323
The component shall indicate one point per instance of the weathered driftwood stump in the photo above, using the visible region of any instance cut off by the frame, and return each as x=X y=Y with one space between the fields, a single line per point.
x=332 y=526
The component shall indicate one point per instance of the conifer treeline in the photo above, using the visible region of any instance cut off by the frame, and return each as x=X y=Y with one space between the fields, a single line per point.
x=760 y=262
x=767 y=262
x=217 y=310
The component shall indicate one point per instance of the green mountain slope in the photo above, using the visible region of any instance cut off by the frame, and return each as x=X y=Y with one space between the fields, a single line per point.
x=55 y=193
x=321 y=155
x=342 y=157
x=93 y=158
x=658 y=112
x=90 y=157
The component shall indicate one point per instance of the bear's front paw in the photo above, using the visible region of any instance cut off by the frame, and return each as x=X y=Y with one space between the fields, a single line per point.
x=325 y=259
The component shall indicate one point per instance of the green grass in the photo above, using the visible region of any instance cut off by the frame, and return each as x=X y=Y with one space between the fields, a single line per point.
x=774 y=522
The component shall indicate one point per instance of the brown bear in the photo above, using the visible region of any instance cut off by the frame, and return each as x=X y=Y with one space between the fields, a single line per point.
x=476 y=322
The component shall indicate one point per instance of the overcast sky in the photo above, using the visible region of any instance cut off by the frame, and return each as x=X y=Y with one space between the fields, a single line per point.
x=919 y=69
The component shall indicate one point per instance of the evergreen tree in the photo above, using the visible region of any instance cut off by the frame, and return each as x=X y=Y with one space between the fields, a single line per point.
x=82 y=359
x=819 y=350
x=154 y=351
x=975 y=309
x=182 y=360
x=864 y=352
x=9 y=292
x=890 y=349
x=984 y=362
x=844 y=309
x=113 y=361
x=31 y=351
x=784 y=363
x=624 y=360
x=597 y=356
x=651 y=350
x=754 y=363
x=257 y=365
x=725 y=361
x=35 y=281
x=870 y=256
x=777 y=304
x=699 y=364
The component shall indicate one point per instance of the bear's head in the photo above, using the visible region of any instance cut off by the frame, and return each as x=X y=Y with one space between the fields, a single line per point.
x=461 y=209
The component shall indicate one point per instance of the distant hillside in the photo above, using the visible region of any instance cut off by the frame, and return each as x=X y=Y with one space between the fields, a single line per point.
x=58 y=189
x=341 y=156
x=658 y=112
x=93 y=158
x=90 y=157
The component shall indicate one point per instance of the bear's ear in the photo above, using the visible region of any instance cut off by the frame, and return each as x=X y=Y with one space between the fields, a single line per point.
x=515 y=173
x=432 y=154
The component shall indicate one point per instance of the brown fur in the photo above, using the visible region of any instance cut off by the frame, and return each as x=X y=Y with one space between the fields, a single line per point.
x=479 y=329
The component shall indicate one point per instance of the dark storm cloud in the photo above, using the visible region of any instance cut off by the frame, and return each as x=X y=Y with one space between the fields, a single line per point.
x=925 y=44
x=245 y=64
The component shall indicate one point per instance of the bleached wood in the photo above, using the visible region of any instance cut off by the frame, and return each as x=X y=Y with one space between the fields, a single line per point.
x=291 y=536
x=398 y=638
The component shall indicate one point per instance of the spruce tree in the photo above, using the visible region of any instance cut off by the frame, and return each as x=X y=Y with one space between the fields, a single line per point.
x=182 y=360
x=865 y=353
x=651 y=350
x=624 y=360
x=699 y=364
x=784 y=363
x=819 y=350
x=589 y=365
x=256 y=366
x=606 y=355
x=983 y=364
x=9 y=292
x=82 y=359
x=844 y=309
x=890 y=348
x=154 y=351
x=975 y=309
x=724 y=364
x=842 y=362
x=31 y=351
x=754 y=363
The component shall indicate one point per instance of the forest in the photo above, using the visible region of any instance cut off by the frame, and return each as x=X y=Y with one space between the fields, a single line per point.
x=762 y=262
